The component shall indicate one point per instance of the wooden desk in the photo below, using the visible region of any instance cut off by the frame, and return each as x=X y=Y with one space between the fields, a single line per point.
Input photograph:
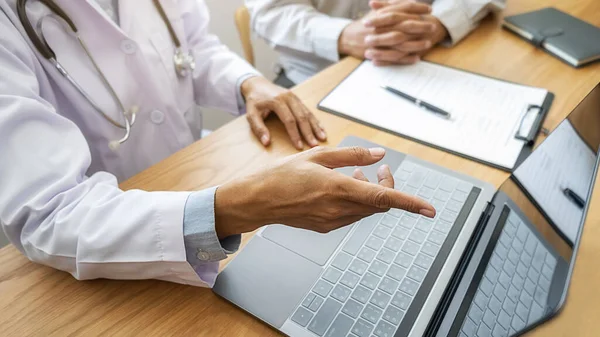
x=37 y=300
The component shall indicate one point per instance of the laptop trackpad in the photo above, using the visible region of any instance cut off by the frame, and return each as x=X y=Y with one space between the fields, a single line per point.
x=314 y=246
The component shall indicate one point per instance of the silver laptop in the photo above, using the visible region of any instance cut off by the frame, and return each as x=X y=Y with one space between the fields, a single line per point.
x=492 y=262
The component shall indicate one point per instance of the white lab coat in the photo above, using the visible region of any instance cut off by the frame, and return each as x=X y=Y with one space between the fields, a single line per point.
x=306 y=32
x=59 y=200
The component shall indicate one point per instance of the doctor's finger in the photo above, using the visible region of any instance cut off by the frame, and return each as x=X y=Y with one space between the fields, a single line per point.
x=303 y=119
x=289 y=121
x=385 y=177
x=257 y=125
x=385 y=197
x=359 y=175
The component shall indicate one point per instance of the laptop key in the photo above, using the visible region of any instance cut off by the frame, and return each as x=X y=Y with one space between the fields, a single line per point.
x=393 y=315
x=404 y=260
x=340 y=293
x=350 y=280
x=448 y=184
x=374 y=243
x=386 y=255
x=436 y=237
x=424 y=224
x=316 y=303
x=389 y=221
x=325 y=316
x=384 y=329
x=396 y=272
x=322 y=288
x=402 y=233
x=382 y=232
x=409 y=286
x=362 y=328
x=416 y=179
x=380 y=299
x=499 y=331
x=410 y=248
x=341 y=261
x=308 y=300
x=366 y=254
x=388 y=285
x=302 y=316
x=401 y=300
x=433 y=179
x=360 y=234
x=540 y=296
x=358 y=266
x=340 y=326
x=417 y=274
x=430 y=249
x=352 y=308
x=371 y=313
x=361 y=294
x=407 y=221
x=378 y=268
x=484 y=331
x=370 y=281
x=423 y=261
x=332 y=275
x=392 y=244
x=417 y=236
x=536 y=313
x=454 y=205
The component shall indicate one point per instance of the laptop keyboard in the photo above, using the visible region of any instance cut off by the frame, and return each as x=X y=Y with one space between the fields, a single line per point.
x=514 y=289
x=373 y=279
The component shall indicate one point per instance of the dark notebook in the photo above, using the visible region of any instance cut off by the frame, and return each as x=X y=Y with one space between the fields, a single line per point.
x=572 y=40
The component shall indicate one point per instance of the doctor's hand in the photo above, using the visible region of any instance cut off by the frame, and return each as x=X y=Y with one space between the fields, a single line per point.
x=263 y=98
x=304 y=191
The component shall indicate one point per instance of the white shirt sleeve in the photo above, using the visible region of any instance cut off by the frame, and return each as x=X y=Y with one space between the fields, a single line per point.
x=55 y=214
x=218 y=70
x=460 y=17
x=296 y=25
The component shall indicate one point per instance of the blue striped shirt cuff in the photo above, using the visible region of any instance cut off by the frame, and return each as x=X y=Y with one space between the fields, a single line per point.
x=202 y=246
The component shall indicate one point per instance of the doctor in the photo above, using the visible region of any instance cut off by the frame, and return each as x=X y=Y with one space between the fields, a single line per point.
x=92 y=92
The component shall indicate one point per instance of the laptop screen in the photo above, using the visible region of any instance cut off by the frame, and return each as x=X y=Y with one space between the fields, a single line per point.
x=551 y=190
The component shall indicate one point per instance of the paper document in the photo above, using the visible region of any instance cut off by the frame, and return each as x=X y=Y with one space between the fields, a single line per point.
x=486 y=113
x=562 y=161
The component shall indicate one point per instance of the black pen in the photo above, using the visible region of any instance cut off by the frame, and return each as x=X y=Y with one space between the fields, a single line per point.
x=418 y=102
x=577 y=200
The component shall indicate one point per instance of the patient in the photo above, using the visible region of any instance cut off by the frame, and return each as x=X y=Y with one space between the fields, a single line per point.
x=312 y=34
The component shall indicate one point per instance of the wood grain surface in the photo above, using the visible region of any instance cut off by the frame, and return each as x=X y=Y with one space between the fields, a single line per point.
x=38 y=301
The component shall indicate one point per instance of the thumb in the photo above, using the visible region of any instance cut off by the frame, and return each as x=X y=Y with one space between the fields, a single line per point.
x=347 y=156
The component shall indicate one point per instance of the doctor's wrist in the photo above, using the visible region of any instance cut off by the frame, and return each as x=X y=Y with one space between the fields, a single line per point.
x=234 y=209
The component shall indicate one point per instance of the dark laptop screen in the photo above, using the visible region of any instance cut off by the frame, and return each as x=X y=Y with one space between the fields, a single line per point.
x=551 y=190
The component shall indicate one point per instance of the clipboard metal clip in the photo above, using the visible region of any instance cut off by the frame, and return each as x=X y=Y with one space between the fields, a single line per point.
x=528 y=131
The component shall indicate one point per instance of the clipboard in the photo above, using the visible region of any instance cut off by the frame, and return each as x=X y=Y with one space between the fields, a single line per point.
x=535 y=112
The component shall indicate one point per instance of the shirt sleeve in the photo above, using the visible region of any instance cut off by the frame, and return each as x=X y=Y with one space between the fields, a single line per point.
x=202 y=246
x=218 y=70
x=460 y=17
x=296 y=25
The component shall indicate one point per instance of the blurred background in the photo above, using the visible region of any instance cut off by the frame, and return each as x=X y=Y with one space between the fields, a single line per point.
x=222 y=24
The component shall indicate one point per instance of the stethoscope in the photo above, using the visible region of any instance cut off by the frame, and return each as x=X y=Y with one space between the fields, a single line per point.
x=184 y=62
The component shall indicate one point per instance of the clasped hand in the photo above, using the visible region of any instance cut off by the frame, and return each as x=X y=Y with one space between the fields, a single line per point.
x=394 y=32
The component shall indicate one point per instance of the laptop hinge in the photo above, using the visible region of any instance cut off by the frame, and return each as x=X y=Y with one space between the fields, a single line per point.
x=446 y=299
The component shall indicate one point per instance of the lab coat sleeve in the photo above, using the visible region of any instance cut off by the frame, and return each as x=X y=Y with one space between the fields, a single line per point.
x=297 y=26
x=460 y=17
x=218 y=70
x=201 y=242
x=55 y=214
